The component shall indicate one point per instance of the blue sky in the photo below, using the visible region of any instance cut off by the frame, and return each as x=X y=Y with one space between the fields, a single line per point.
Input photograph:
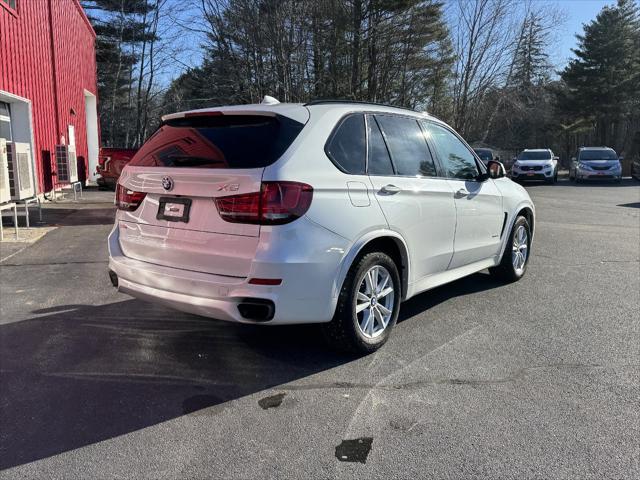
x=578 y=13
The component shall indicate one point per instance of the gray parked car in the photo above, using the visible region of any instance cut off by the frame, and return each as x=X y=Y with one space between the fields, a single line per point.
x=595 y=163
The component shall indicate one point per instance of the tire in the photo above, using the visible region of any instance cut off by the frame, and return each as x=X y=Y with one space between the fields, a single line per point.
x=345 y=331
x=507 y=271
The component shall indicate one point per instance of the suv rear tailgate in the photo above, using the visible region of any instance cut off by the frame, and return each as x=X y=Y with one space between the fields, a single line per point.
x=181 y=170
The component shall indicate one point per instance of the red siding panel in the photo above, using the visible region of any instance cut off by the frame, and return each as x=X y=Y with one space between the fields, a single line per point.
x=47 y=55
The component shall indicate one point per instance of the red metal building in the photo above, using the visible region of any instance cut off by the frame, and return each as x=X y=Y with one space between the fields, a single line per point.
x=48 y=86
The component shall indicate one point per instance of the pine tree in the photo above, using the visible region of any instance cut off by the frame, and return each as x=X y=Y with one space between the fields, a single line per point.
x=389 y=51
x=531 y=61
x=603 y=81
x=120 y=26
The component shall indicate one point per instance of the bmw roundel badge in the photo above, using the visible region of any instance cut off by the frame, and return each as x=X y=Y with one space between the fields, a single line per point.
x=167 y=183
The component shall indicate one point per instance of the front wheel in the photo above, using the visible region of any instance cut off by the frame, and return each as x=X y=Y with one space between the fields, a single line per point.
x=516 y=254
x=368 y=305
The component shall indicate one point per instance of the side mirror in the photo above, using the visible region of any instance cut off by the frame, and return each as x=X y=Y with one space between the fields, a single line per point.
x=496 y=169
x=556 y=158
x=573 y=159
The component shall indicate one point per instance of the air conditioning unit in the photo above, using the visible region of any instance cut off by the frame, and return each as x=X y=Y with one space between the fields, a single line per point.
x=5 y=189
x=66 y=164
x=20 y=170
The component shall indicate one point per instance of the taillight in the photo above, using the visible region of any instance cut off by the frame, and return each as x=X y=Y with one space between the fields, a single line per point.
x=128 y=199
x=275 y=204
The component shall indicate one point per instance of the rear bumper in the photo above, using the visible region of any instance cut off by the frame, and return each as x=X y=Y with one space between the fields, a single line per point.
x=305 y=295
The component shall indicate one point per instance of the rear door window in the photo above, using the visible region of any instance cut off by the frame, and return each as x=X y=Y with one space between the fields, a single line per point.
x=219 y=141
x=407 y=145
x=347 y=146
x=379 y=159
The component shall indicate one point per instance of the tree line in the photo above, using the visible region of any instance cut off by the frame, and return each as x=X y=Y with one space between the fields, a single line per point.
x=484 y=66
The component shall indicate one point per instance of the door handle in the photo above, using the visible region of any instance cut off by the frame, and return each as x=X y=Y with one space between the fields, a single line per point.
x=390 y=189
x=463 y=192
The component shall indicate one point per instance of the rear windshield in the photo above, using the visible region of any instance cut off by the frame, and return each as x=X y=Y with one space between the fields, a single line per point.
x=598 y=155
x=534 y=156
x=219 y=141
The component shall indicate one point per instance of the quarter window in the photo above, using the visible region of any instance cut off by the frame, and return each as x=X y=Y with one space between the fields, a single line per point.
x=347 y=146
x=407 y=145
x=457 y=159
x=379 y=160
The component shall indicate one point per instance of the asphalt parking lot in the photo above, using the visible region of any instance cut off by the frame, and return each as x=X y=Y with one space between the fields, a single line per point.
x=535 y=379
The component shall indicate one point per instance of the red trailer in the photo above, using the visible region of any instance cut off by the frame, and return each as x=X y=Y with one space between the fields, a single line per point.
x=48 y=89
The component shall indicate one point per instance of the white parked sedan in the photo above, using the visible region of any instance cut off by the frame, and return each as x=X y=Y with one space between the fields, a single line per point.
x=327 y=212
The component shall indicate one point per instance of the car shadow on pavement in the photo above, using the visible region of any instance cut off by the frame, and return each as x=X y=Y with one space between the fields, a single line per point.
x=626 y=182
x=81 y=374
x=478 y=282
x=76 y=375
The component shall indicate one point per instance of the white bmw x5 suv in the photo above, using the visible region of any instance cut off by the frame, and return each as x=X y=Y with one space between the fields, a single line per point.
x=328 y=212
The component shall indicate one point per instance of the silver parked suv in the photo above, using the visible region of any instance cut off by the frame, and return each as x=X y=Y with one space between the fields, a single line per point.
x=328 y=212
x=595 y=163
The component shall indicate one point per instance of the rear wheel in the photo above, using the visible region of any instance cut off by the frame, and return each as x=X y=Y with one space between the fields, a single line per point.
x=516 y=254
x=368 y=305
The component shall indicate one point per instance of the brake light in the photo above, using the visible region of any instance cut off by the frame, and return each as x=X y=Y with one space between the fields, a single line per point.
x=128 y=199
x=276 y=203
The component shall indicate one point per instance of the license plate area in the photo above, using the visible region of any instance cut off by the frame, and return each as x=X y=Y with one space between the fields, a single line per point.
x=174 y=209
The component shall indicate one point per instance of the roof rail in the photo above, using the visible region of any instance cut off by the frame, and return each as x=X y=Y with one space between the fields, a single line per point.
x=358 y=102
